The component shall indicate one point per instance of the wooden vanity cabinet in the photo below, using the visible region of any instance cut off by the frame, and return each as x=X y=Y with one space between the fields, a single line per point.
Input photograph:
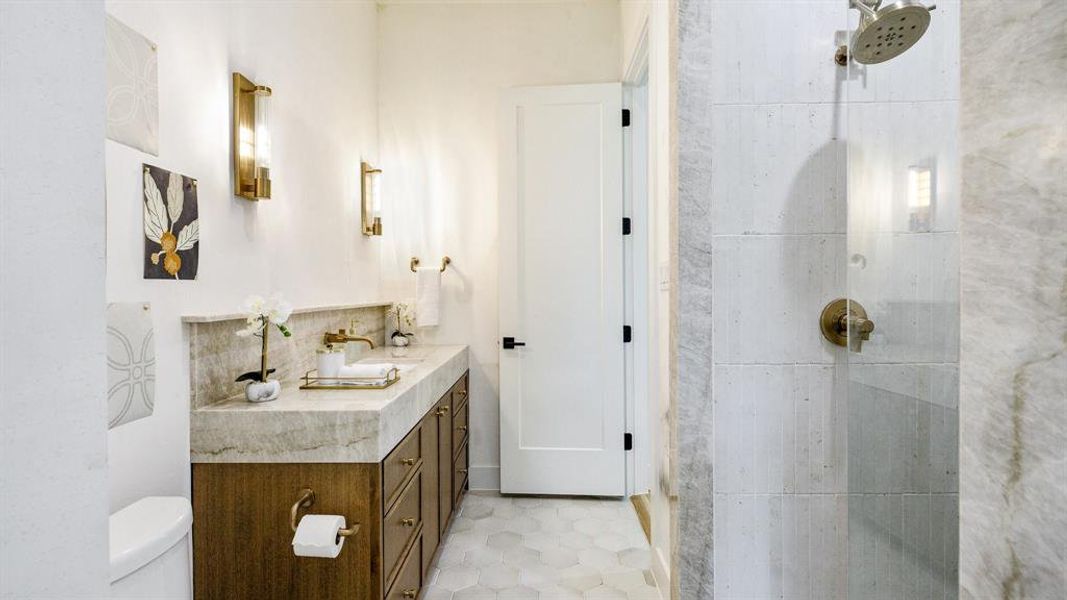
x=242 y=536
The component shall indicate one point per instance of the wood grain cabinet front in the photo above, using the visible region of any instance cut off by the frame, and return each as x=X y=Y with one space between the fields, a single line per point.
x=242 y=537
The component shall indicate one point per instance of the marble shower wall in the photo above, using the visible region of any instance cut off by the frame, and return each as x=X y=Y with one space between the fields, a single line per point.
x=1013 y=483
x=218 y=355
x=771 y=485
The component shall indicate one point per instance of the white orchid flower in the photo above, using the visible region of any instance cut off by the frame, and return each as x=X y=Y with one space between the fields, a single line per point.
x=278 y=311
x=255 y=305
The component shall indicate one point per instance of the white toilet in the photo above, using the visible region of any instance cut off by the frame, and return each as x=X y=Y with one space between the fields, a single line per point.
x=150 y=551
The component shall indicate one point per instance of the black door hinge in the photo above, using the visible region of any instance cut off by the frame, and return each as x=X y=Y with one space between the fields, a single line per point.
x=628 y=441
x=625 y=117
x=627 y=226
x=627 y=334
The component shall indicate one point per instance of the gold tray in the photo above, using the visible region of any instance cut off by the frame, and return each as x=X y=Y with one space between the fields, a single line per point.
x=314 y=382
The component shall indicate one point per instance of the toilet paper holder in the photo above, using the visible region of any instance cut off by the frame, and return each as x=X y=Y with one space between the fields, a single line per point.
x=307 y=498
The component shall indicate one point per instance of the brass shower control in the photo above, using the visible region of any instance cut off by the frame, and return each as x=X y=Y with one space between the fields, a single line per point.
x=839 y=316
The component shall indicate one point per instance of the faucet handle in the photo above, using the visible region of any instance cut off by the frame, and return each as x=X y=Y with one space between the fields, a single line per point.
x=859 y=331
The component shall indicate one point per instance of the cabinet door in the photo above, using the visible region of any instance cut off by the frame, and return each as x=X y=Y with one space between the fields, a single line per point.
x=444 y=460
x=431 y=500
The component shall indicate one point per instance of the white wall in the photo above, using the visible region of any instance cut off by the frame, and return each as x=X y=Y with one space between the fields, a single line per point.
x=321 y=60
x=53 y=417
x=441 y=68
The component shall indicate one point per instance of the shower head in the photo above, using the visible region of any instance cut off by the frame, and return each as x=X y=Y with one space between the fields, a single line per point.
x=886 y=31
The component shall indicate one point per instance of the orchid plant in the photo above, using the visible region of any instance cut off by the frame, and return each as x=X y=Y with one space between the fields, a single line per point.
x=402 y=314
x=261 y=315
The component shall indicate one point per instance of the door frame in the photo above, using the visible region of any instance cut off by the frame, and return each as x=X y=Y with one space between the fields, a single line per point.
x=636 y=268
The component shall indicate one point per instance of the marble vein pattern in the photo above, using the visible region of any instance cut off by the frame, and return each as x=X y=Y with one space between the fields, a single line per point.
x=308 y=426
x=1013 y=363
x=530 y=548
x=691 y=319
x=217 y=356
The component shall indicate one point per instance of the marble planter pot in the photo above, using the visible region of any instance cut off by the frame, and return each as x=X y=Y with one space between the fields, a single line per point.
x=263 y=391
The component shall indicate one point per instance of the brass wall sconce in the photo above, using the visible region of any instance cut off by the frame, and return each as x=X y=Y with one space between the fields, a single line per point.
x=371 y=198
x=251 y=139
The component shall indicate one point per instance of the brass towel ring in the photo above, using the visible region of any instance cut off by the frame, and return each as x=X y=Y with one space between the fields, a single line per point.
x=444 y=263
x=307 y=498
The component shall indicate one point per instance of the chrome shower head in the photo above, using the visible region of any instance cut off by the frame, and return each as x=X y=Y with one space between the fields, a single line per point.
x=886 y=31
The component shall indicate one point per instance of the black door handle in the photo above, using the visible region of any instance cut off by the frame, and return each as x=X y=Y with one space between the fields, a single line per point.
x=511 y=344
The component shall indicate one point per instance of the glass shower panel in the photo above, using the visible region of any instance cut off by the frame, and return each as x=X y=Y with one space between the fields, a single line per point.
x=903 y=269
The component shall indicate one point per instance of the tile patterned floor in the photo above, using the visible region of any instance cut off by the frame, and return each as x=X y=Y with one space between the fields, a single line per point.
x=521 y=548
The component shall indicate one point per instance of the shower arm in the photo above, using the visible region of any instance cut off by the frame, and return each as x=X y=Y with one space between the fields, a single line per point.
x=866 y=9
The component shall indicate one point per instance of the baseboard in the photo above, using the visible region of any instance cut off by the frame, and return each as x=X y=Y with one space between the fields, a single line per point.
x=484 y=478
x=644 y=516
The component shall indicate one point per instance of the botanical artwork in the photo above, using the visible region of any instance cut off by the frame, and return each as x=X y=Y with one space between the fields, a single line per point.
x=171 y=228
x=131 y=362
x=132 y=88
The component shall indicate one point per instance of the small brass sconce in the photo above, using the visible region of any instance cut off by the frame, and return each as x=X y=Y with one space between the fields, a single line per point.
x=372 y=199
x=251 y=139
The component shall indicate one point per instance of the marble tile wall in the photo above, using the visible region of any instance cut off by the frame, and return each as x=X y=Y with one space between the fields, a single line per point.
x=218 y=355
x=792 y=192
x=1013 y=364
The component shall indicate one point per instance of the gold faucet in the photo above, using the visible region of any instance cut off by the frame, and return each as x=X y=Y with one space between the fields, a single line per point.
x=341 y=337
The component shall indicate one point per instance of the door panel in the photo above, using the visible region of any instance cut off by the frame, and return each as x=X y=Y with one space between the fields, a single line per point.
x=561 y=291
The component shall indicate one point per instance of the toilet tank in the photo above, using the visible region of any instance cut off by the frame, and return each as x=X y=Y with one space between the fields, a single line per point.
x=150 y=551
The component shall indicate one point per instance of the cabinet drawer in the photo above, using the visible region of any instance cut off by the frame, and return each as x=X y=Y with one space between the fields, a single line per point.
x=401 y=524
x=459 y=475
x=400 y=463
x=460 y=425
x=409 y=580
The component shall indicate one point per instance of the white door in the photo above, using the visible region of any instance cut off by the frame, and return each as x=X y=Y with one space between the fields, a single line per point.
x=562 y=409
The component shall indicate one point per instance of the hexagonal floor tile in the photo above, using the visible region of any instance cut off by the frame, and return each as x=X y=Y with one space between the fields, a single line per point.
x=638 y=558
x=559 y=557
x=499 y=577
x=520 y=556
x=591 y=526
x=457 y=578
x=598 y=558
x=645 y=592
x=603 y=592
x=433 y=592
x=625 y=580
x=580 y=577
x=483 y=557
x=559 y=593
x=575 y=540
x=476 y=511
x=518 y=593
x=504 y=540
x=538 y=576
x=540 y=541
x=521 y=525
x=476 y=592
x=613 y=542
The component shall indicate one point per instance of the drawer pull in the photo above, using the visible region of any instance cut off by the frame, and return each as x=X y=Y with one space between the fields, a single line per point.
x=464 y=471
x=407 y=461
x=462 y=428
x=463 y=393
x=409 y=522
x=409 y=593
x=443 y=411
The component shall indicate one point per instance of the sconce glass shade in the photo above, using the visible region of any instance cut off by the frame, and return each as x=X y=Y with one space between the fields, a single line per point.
x=371 y=199
x=251 y=139
x=262 y=108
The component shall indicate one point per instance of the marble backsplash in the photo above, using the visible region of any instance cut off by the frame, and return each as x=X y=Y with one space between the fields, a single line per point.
x=217 y=355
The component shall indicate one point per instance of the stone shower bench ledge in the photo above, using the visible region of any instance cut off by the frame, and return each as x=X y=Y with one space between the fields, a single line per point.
x=327 y=426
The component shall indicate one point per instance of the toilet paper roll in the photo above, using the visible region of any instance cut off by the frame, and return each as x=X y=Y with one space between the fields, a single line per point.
x=316 y=536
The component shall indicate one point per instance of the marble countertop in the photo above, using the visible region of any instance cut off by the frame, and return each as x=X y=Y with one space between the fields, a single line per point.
x=327 y=426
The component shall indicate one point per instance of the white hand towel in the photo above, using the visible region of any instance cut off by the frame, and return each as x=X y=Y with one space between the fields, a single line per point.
x=428 y=296
x=370 y=371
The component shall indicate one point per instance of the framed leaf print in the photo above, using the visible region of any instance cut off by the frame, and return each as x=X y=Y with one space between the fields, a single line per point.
x=171 y=225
